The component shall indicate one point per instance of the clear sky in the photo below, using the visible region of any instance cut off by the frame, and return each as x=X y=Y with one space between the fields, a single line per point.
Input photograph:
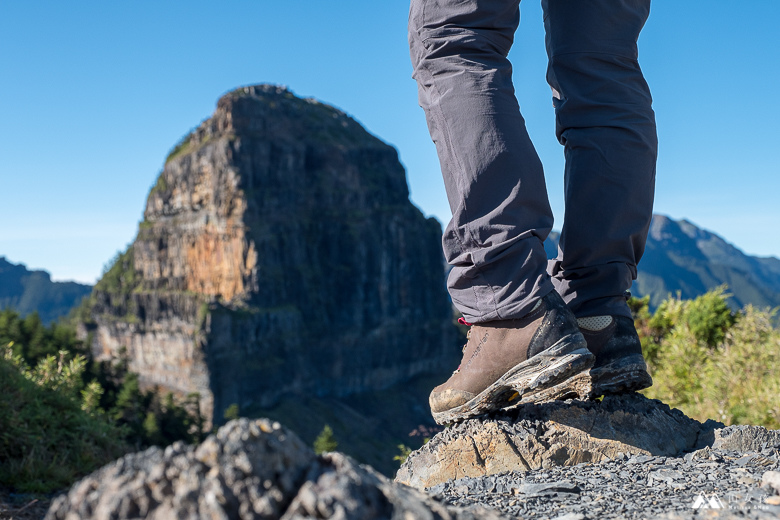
x=93 y=95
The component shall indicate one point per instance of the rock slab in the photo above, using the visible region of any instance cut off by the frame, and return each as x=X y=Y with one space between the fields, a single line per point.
x=249 y=470
x=532 y=437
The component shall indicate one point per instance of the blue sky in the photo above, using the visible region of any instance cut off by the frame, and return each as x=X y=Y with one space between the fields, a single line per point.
x=93 y=94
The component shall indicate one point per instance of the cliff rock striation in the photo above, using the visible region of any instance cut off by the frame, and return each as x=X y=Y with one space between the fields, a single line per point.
x=279 y=253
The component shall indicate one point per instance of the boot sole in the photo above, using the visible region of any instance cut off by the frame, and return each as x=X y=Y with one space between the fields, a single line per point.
x=560 y=372
x=624 y=375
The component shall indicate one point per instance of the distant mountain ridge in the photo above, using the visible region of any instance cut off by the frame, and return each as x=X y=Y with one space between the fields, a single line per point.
x=28 y=291
x=682 y=258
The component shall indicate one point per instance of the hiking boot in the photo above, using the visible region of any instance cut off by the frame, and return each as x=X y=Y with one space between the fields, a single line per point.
x=619 y=367
x=540 y=357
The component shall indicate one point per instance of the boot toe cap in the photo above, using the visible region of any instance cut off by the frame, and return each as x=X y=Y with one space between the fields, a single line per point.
x=443 y=399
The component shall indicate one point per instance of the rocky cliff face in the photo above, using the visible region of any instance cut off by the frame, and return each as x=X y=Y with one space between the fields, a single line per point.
x=279 y=253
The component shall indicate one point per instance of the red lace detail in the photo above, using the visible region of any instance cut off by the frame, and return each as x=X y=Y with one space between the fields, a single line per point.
x=464 y=322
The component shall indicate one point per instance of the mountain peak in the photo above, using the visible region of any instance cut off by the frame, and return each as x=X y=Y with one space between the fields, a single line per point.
x=681 y=257
x=279 y=254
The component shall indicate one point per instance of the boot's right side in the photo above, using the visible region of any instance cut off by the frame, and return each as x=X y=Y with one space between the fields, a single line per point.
x=542 y=356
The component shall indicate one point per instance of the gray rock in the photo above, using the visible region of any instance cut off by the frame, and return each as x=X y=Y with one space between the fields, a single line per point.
x=248 y=470
x=344 y=489
x=547 y=489
x=746 y=438
x=532 y=437
x=735 y=488
x=771 y=479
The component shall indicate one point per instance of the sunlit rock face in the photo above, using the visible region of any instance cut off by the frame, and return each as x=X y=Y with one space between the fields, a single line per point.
x=279 y=253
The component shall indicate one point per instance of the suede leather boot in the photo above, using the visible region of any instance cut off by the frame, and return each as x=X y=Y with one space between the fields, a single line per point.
x=620 y=366
x=540 y=357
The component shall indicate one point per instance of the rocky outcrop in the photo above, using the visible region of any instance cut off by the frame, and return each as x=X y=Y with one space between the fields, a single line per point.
x=248 y=469
x=744 y=438
x=259 y=469
x=532 y=437
x=623 y=457
x=279 y=254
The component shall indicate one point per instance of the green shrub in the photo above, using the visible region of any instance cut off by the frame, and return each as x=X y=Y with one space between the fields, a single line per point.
x=47 y=440
x=325 y=441
x=404 y=452
x=56 y=401
x=32 y=340
x=119 y=275
x=232 y=412
x=713 y=363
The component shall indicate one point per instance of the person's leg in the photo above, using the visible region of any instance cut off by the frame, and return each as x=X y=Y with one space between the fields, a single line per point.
x=605 y=121
x=493 y=176
x=525 y=345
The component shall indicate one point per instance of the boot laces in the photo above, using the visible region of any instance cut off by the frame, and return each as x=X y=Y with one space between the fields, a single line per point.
x=462 y=321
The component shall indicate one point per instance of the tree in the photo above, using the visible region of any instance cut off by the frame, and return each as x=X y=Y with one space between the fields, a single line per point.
x=325 y=441
x=405 y=451
x=232 y=412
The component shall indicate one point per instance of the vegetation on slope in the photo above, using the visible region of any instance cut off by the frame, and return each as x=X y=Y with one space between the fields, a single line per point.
x=712 y=362
x=119 y=275
x=32 y=340
x=49 y=436
x=63 y=415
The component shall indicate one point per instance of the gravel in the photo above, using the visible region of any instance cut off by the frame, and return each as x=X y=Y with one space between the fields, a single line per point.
x=631 y=487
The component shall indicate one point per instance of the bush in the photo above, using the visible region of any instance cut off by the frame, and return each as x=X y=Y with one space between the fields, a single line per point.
x=325 y=441
x=711 y=362
x=232 y=412
x=32 y=340
x=67 y=415
x=47 y=440
x=404 y=452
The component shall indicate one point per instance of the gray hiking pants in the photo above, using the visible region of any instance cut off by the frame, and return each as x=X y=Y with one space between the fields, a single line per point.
x=493 y=175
